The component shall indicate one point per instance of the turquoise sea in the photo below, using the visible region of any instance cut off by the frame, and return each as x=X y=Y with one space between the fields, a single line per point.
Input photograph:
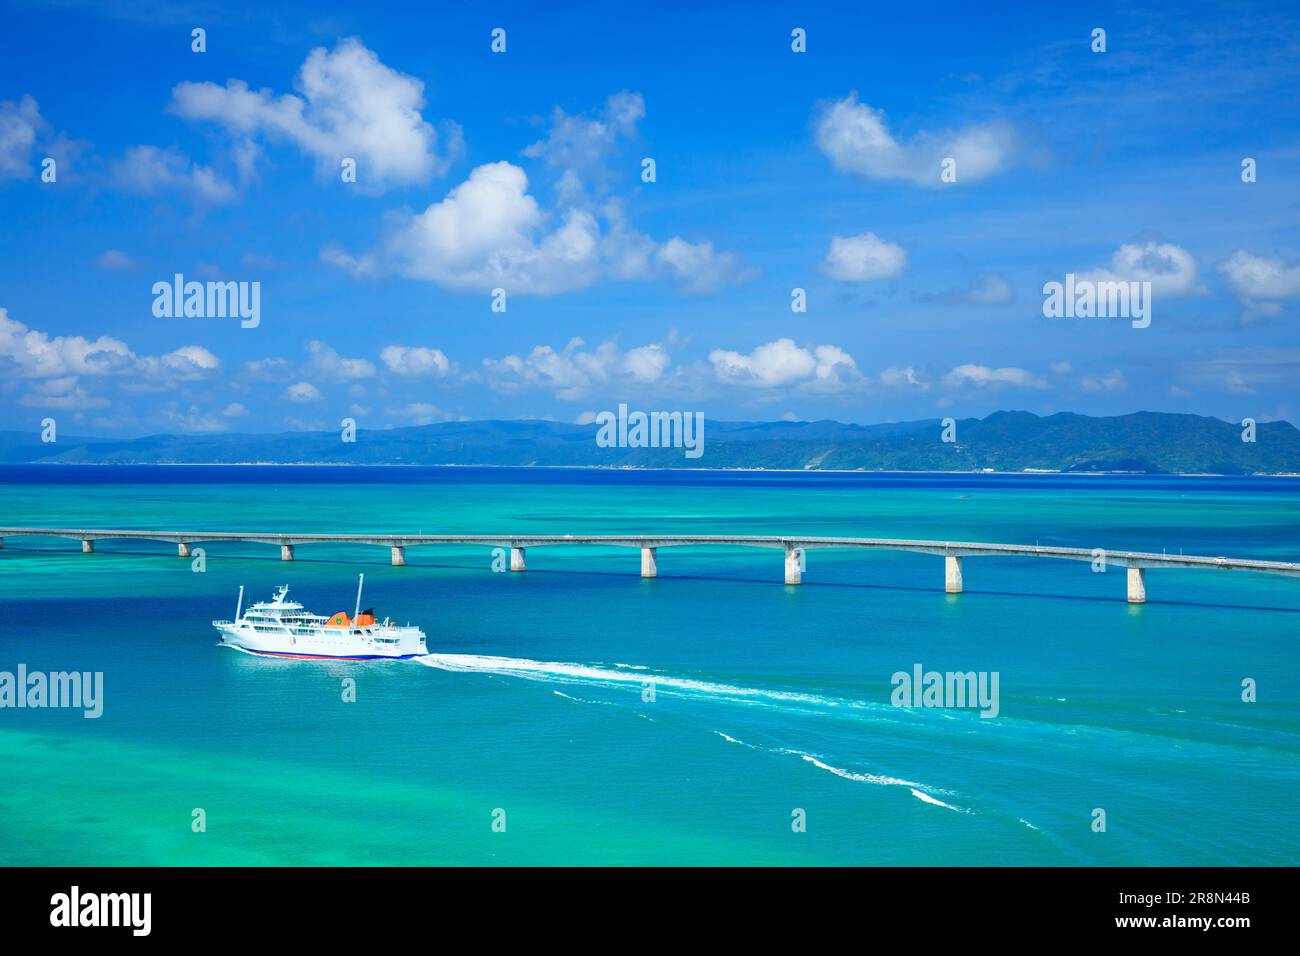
x=768 y=700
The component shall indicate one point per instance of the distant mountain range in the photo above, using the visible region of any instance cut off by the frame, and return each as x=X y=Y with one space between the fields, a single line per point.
x=1149 y=442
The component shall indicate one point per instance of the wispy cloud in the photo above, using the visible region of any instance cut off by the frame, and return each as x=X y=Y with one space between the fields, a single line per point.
x=20 y=123
x=1261 y=283
x=148 y=170
x=574 y=371
x=982 y=376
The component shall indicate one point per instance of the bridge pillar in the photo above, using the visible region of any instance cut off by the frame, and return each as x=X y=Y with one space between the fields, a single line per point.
x=399 y=556
x=793 y=560
x=183 y=549
x=286 y=552
x=517 y=559
x=952 y=574
x=87 y=546
x=649 y=563
x=1137 y=586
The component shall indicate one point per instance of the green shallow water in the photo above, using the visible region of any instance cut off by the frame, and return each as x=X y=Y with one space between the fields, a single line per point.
x=767 y=699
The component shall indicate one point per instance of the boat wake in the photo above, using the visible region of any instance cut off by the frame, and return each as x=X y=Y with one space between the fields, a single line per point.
x=583 y=700
x=921 y=791
x=624 y=675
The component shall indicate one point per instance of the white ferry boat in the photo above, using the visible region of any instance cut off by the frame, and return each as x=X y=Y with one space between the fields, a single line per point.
x=283 y=628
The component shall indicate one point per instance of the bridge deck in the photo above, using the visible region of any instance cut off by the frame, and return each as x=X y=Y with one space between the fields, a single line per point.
x=954 y=549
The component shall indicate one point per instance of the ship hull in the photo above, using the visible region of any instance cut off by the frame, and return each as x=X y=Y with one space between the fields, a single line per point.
x=324 y=657
x=324 y=647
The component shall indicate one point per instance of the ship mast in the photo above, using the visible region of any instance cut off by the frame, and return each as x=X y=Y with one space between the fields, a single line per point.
x=361 y=579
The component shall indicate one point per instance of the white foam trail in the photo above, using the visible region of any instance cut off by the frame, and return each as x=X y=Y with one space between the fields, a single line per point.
x=926 y=798
x=558 y=670
x=582 y=700
x=1027 y=823
x=861 y=777
x=871 y=778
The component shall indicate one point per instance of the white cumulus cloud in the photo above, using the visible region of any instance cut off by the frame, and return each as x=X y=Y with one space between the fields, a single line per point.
x=489 y=232
x=863 y=258
x=349 y=104
x=31 y=354
x=1260 y=282
x=1170 y=269
x=856 y=138
x=55 y=366
x=303 y=392
x=415 y=360
x=186 y=364
x=782 y=363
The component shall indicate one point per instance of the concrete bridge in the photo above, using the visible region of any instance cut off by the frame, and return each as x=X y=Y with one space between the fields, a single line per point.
x=795 y=548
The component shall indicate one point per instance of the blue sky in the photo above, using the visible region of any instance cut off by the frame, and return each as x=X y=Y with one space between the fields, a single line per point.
x=775 y=170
